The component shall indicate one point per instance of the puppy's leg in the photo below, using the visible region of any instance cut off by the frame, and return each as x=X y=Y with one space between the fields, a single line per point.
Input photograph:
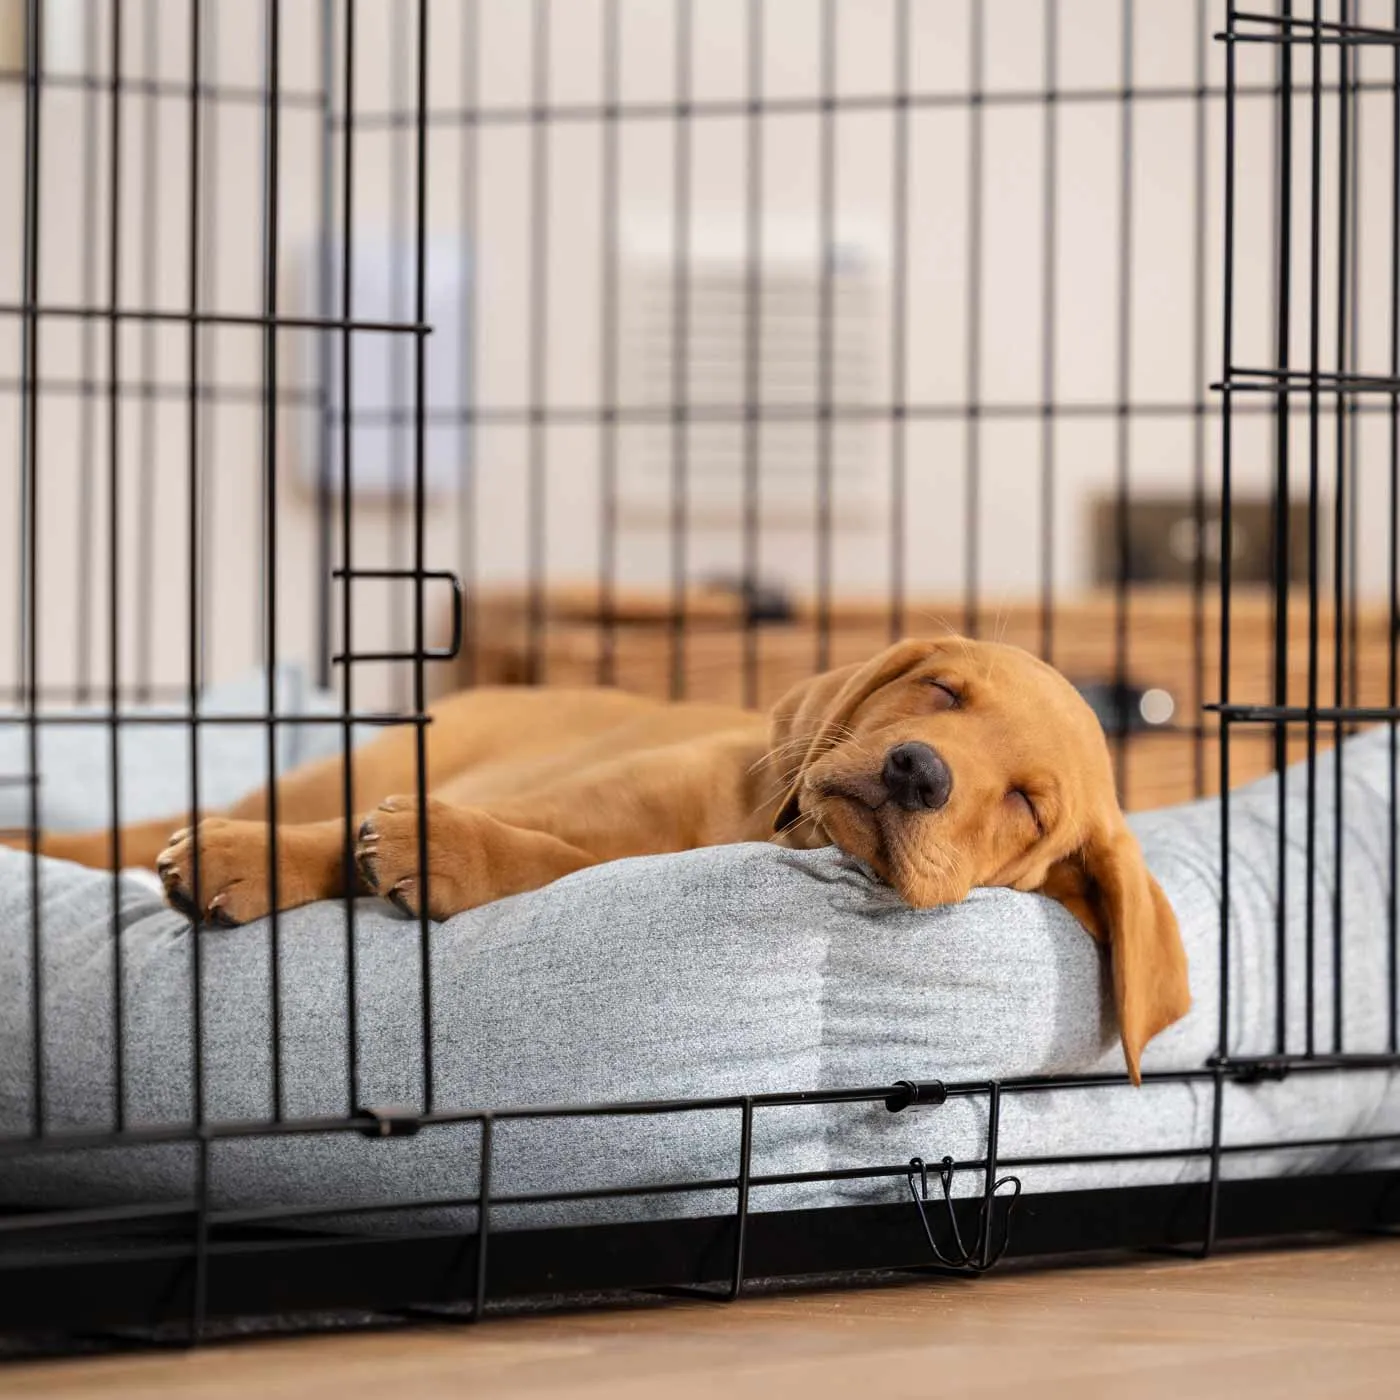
x=140 y=844
x=473 y=857
x=235 y=871
x=309 y=794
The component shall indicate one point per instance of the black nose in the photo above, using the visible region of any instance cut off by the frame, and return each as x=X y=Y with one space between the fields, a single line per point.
x=916 y=777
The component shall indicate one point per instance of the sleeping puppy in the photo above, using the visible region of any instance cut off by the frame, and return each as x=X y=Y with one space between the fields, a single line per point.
x=942 y=765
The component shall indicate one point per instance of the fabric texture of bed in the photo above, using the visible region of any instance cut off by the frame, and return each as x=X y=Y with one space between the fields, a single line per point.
x=735 y=970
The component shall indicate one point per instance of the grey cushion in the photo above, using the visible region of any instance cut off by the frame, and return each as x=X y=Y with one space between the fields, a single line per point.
x=736 y=970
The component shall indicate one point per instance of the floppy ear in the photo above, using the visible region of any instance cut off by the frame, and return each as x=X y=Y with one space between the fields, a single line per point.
x=812 y=716
x=1108 y=888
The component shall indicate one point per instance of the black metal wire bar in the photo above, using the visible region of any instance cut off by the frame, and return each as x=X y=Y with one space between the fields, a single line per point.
x=741 y=1207
x=468 y=449
x=1305 y=714
x=1049 y=312
x=1283 y=176
x=272 y=171
x=93 y=718
x=1217 y=1149
x=1198 y=381
x=538 y=386
x=176 y=391
x=608 y=350
x=194 y=601
x=1315 y=24
x=87 y=1217
x=420 y=515
x=263 y=321
x=1352 y=463
x=589 y=415
x=199 y=1293
x=680 y=344
x=114 y=560
x=1306 y=380
x=1393 y=591
x=325 y=354
x=1124 y=360
x=972 y=311
x=899 y=325
x=1341 y=505
x=721 y=108
x=87 y=380
x=146 y=455
x=212 y=92
x=1353 y=629
x=753 y=341
x=1314 y=502
x=826 y=330
x=29 y=537
x=349 y=872
x=400 y=294
x=1226 y=531
x=483 y=1216
x=989 y=1187
x=209 y=445
x=1322 y=40
x=15 y=692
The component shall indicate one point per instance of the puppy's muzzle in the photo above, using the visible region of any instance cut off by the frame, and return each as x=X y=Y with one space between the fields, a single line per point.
x=916 y=777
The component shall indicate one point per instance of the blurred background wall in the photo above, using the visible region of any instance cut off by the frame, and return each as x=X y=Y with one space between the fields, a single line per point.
x=563 y=282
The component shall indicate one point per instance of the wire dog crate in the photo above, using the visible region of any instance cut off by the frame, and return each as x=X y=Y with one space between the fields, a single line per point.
x=375 y=335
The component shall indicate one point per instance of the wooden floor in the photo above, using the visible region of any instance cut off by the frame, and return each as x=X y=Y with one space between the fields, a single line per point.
x=1317 y=1322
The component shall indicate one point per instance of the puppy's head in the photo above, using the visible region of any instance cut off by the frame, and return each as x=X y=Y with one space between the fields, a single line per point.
x=950 y=764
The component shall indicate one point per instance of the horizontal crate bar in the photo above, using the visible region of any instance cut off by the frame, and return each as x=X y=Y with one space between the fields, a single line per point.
x=33 y=1222
x=160 y=87
x=1286 y=1064
x=576 y=112
x=1315 y=23
x=148 y=315
x=1335 y=41
x=76 y=693
x=205 y=721
x=175 y=392
x=589 y=415
x=596 y=415
x=1302 y=714
x=1287 y=381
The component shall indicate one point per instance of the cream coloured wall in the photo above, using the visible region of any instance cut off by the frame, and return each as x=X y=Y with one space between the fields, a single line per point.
x=74 y=208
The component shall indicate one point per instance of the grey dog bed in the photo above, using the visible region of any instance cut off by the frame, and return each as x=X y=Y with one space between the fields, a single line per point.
x=738 y=970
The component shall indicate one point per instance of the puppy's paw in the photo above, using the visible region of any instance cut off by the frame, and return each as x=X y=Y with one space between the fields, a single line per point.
x=388 y=851
x=233 y=872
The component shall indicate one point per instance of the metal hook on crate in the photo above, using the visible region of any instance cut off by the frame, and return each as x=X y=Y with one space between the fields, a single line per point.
x=963 y=1258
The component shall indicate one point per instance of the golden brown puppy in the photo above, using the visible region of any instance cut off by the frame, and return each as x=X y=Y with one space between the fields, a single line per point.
x=943 y=765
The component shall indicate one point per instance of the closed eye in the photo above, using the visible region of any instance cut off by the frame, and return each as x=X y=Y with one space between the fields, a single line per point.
x=948 y=697
x=1024 y=797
